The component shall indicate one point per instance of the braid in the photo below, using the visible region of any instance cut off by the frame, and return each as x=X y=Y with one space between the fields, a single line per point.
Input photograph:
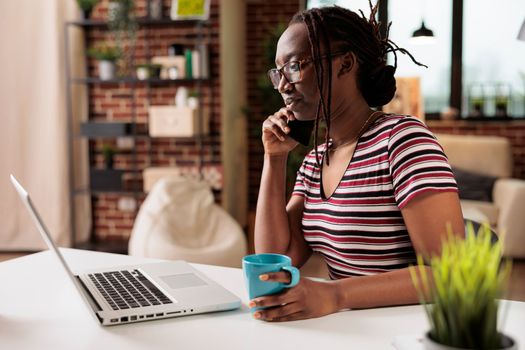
x=327 y=113
x=357 y=34
x=318 y=67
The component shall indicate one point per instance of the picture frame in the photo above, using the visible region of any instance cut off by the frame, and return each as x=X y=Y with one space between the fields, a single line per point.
x=190 y=9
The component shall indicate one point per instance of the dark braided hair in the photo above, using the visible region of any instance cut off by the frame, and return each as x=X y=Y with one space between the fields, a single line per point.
x=350 y=32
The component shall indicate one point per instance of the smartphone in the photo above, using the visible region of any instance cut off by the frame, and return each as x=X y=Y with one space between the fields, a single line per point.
x=301 y=130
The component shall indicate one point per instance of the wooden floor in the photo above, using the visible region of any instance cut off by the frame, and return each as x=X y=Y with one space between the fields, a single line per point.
x=517 y=281
x=516 y=285
x=9 y=256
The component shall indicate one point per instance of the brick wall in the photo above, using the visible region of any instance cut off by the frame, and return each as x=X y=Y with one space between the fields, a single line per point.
x=114 y=102
x=262 y=16
x=514 y=131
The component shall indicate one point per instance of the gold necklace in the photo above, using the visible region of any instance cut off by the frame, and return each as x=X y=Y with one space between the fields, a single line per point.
x=333 y=148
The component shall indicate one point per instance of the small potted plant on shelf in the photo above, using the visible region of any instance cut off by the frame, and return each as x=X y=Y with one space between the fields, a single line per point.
x=108 y=151
x=193 y=99
x=86 y=6
x=106 y=56
x=148 y=70
x=464 y=286
x=123 y=26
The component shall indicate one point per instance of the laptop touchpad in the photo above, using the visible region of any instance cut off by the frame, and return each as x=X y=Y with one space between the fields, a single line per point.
x=184 y=280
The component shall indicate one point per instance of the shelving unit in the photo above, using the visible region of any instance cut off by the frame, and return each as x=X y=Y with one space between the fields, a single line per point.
x=138 y=131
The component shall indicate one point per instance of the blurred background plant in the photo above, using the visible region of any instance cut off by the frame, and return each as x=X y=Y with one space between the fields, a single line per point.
x=123 y=26
x=104 y=52
x=465 y=283
x=108 y=152
x=86 y=6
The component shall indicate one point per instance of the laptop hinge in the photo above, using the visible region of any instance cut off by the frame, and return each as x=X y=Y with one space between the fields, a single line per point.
x=92 y=302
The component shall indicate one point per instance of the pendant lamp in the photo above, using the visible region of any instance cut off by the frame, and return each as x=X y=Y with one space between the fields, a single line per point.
x=422 y=35
x=423 y=32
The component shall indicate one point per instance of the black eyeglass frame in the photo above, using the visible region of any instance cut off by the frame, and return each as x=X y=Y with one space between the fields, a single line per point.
x=300 y=63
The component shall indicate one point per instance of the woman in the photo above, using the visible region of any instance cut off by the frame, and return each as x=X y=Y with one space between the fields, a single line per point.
x=378 y=192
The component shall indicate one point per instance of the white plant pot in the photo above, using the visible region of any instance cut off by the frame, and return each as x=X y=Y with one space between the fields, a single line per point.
x=106 y=70
x=142 y=73
x=193 y=102
x=429 y=344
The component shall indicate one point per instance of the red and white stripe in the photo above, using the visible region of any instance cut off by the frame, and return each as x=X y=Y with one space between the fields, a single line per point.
x=359 y=229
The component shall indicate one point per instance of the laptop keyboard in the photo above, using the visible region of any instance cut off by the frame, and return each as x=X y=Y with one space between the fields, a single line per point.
x=127 y=289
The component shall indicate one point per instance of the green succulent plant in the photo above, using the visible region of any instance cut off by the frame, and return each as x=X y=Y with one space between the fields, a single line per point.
x=463 y=289
x=104 y=52
x=108 y=152
x=86 y=4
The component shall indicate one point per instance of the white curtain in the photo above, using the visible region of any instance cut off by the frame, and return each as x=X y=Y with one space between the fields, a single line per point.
x=33 y=134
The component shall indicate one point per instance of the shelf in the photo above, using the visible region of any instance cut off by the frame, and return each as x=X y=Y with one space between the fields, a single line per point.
x=136 y=136
x=147 y=137
x=491 y=119
x=98 y=129
x=504 y=120
x=113 y=246
x=87 y=191
x=142 y=21
x=119 y=183
x=132 y=80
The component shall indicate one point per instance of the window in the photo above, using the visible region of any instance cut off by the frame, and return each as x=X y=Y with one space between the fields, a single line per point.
x=493 y=58
x=435 y=81
x=406 y=16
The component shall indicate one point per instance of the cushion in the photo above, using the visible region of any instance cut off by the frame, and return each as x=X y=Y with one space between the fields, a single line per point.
x=180 y=220
x=474 y=186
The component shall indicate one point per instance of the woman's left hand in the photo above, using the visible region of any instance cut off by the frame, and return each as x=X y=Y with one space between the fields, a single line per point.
x=308 y=299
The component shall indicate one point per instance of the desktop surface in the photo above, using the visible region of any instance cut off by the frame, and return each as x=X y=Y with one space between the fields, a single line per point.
x=41 y=309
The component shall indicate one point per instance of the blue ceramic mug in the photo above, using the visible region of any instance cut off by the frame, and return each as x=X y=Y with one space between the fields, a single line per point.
x=258 y=264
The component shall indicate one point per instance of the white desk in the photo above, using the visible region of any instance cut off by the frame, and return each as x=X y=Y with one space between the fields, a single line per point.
x=41 y=309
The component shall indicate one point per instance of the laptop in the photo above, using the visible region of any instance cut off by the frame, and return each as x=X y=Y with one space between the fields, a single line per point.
x=143 y=292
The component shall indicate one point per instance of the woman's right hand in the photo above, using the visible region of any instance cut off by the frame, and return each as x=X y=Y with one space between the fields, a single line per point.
x=275 y=133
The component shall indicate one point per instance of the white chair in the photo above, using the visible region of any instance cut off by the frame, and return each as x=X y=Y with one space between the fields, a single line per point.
x=180 y=220
x=491 y=156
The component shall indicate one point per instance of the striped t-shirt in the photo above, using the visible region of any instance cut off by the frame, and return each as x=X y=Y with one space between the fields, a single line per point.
x=360 y=230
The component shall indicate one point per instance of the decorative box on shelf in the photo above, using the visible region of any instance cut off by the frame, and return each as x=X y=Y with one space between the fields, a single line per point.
x=103 y=128
x=106 y=180
x=173 y=121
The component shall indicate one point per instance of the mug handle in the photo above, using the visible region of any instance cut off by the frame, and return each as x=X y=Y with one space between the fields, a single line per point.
x=294 y=273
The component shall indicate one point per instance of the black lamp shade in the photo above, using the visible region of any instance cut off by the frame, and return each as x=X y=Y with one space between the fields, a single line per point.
x=423 y=31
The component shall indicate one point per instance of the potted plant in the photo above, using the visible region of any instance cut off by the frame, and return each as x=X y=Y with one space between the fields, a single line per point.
x=122 y=24
x=108 y=151
x=86 y=6
x=142 y=71
x=193 y=99
x=106 y=56
x=148 y=70
x=464 y=284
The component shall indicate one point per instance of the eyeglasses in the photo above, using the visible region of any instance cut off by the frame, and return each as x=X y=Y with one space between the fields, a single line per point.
x=292 y=70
